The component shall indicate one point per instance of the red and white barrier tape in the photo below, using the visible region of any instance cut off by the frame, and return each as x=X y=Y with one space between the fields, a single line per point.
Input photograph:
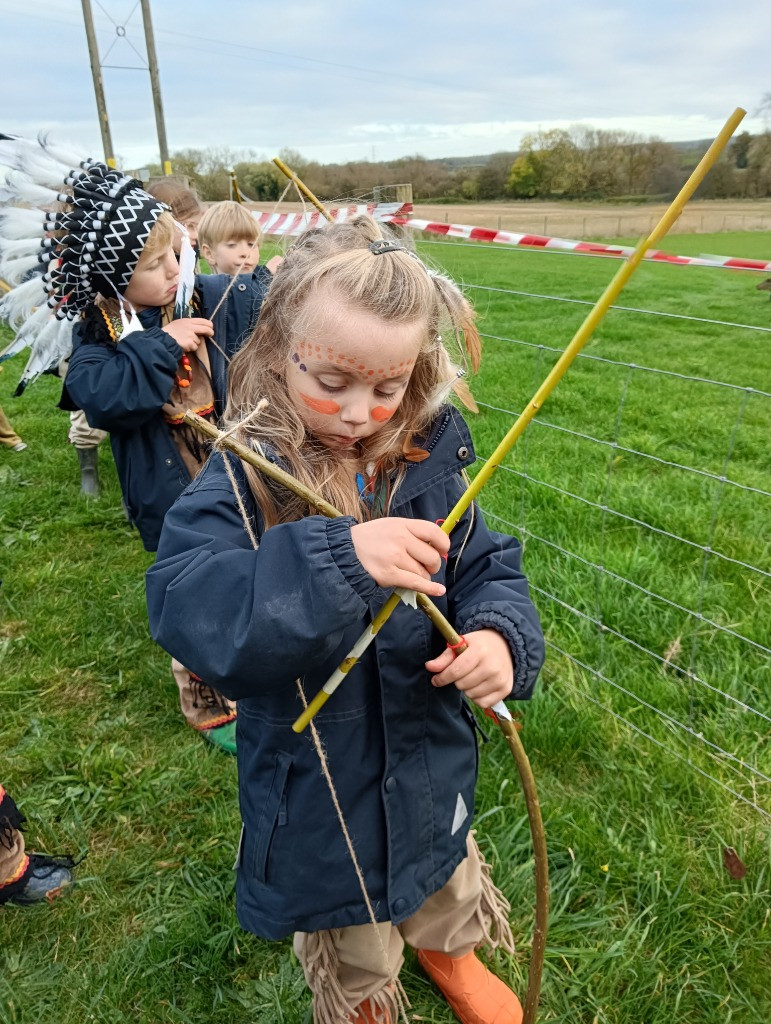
x=588 y=248
x=296 y=223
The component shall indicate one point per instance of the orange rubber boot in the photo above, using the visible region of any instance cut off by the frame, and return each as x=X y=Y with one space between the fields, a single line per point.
x=474 y=993
x=366 y=1015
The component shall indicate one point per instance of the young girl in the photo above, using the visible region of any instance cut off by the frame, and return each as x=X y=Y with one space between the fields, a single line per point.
x=349 y=356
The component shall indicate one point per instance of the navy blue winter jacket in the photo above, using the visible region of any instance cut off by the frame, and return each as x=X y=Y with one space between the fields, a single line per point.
x=402 y=754
x=122 y=389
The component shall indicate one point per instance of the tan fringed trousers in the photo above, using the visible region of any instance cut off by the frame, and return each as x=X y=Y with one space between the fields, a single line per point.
x=345 y=966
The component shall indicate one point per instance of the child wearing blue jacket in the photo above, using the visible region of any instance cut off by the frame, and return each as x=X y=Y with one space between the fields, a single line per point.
x=99 y=277
x=349 y=357
x=137 y=383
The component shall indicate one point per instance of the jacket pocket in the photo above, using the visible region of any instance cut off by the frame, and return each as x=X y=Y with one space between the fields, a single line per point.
x=273 y=816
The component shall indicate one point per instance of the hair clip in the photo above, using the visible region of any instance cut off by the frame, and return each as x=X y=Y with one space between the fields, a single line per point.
x=381 y=245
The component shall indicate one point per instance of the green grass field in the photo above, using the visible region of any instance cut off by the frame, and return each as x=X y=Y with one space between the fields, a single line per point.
x=647 y=926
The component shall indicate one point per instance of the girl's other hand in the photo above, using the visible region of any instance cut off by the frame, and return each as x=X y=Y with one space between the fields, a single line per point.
x=189 y=332
x=484 y=671
x=402 y=552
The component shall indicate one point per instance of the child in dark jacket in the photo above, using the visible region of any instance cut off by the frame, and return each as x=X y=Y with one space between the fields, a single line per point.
x=349 y=356
x=139 y=359
x=137 y=382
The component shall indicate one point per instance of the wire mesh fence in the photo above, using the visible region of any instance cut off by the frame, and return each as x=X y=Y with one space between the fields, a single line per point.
x=642 y=495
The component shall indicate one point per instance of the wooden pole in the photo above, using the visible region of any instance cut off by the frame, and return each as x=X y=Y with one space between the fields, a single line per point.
x=96 y=75
x=155 y=83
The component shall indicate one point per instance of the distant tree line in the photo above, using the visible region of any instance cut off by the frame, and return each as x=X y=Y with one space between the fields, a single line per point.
x=577 y=163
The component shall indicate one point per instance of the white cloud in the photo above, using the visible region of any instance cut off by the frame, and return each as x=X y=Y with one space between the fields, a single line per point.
x=336 y=82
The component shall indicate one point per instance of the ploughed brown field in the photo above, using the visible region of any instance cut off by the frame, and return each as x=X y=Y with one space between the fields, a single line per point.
x=590 y=220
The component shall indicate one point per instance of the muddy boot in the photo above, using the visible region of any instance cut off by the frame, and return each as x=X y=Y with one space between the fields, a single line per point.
x=89 y=471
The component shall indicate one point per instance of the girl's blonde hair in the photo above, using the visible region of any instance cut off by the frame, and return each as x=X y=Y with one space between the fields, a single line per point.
x=228 y=221
x=161 y=236
x=341 y=265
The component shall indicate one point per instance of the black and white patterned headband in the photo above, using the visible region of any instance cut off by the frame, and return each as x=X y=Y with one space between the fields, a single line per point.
x=70 y=229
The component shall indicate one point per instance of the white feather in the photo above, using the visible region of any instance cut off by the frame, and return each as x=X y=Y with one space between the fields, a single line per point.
x=28 y=333
x=37 y=165
x=21 y=188
x=19 y=304
x=13 y=248
x=186 y=283
x=43 y=162
x=57 y=152
x=35 y=322
x=17 y=223
x=49 y=346
x=12 y=349
x=14 y=271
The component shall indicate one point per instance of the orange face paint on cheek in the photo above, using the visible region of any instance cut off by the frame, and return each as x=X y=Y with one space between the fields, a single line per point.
x=325 y=406
x=381 y=414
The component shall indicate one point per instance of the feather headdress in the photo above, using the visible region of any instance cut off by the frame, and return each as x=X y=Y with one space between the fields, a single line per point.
x=79 y=232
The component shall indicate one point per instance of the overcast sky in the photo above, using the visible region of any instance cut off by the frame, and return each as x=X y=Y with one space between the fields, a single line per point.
x=353 y=80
